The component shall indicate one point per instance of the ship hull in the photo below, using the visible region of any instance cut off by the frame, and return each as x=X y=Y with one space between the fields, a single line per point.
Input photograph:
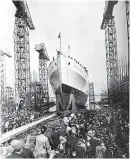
x=67 y=76
x=80 y=97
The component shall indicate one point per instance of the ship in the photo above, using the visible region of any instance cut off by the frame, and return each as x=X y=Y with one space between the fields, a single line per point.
x=69 y=81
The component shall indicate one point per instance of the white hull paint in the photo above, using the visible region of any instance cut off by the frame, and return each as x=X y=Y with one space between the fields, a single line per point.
x=66 y=72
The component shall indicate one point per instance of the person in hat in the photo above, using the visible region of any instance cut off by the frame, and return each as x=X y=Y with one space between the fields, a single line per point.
x=88 y=148
x=93 y=144
x=65 y=119
x=55 y=135
x=17 y=146
x=71 y=141
x=100 y=150
x=80 y=150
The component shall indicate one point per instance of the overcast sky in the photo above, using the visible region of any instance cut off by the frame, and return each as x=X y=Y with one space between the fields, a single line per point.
x=79 y=23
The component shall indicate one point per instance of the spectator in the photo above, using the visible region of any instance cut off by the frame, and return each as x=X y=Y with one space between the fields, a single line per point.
x=48 y=135
x=70 y=144
x=59 y=154
x=12 y=119
x=62 y=143
x=91 y=126
x=100 y=150
x=88 y=150
x=66 y=120
x=93 y=144
x=67 y=129
x=26 y=151
x=108 y=152
x=6 y=125
x=17 y=146
x=55 y=135
x=6 y=151
x=42 y=148
x=80 y=150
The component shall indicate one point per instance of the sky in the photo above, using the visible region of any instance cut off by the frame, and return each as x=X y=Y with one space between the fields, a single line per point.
x=79 y=23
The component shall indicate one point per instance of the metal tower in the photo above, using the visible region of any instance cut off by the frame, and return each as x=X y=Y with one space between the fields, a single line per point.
x=108 y=24
x=127 y=2
x=43 y=71
x=23 y=21
x=3 y=76
x=91 y=96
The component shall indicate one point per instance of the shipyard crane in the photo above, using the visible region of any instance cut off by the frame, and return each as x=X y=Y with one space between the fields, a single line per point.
x=127 y=2
x=3 y=75
x=43 y=71
x=108 y=24
x=23 y=21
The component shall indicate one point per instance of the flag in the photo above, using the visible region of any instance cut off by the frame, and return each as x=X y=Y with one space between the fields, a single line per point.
x=59 y=35
x=60 y=41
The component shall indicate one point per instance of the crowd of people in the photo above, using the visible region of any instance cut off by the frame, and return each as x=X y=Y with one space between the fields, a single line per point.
x=121 y=126
x=79 y=134
x=11 y=118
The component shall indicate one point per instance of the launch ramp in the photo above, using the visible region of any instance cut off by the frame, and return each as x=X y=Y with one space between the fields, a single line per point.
x=8 y=135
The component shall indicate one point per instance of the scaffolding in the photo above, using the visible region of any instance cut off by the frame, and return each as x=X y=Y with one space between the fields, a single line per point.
x=117 y=73
x=36 y=89
x=111 y=57
x=108 y=24
x=91 y=96
x=22 y=58
x=43 y=71
x=127 y=2
x=23 y=21
x=117 y=70
x=9 y=93
x=2 y=80
x=3 y=77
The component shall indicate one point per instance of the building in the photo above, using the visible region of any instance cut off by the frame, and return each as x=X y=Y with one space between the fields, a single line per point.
x=36 y=96
x=9 y=95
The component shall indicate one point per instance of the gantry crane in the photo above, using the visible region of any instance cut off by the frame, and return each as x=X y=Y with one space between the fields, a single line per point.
x=43 y=71
x=127 y=2
x=3 y=76
x=23 y=21
x=108 y=24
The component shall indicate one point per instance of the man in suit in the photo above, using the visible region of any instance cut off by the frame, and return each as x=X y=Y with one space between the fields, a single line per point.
x=70 y=144
x=100 y=150
x=55 y=135
x=26 y=151
x=80 y=151
x=93 y=144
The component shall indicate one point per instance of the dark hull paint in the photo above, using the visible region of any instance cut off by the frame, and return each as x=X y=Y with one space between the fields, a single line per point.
x=80 y=97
